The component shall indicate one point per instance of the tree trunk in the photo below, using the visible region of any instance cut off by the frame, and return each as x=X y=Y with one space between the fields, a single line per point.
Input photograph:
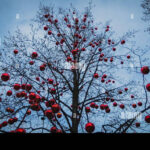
x=75 y=104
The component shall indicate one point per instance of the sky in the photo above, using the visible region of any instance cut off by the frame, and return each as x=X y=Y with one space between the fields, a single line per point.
x=124 y=15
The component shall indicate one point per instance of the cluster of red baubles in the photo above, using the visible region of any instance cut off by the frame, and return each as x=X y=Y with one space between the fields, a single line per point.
x=106 y=107
x=19 y=130
x=18 y=87
x=34 y=100
x=55 y=109
x=10 y=122
x=9 y=110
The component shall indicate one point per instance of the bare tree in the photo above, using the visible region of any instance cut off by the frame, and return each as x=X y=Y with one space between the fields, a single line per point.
x=69 y=75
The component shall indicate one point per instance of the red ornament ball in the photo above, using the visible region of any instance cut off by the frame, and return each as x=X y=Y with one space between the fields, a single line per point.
x=147 y=119
x=5 y=77
x=145 y=70
x=89 y=127
x=148 y=87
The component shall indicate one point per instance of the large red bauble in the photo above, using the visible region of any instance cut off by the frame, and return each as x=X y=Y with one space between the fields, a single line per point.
x=10 y=121
x=56 y=108
x=42 y=67
x=45 y=28
x=147 y=119
x=50 y=81
x=123 y=42
x=34 y=55
x=53 y=91
x=17 y=87
x=5 y=77
x=134 y=105
x=148 y=87
x=49 y=32
x=49 y=114
x=96 y=75
x=31 y=62
x=128 y=56
x=59 y=115
x=32 y=96
x=15 y=51
x=28 y=87
x=102 y=107
x=92 y=105
x=114 y=104
x=87 y=109
x=89 y=127
x=122 y=106
x=9 y=93
x=139 y=103
x=145 y=70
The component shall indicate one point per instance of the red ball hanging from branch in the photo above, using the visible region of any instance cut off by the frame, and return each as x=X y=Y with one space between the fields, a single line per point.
x=145 y=70
x=148 y=87
x=90 y=127
x=5 y=77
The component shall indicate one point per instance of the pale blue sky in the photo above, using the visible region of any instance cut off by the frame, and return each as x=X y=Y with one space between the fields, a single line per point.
x=119 y=11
